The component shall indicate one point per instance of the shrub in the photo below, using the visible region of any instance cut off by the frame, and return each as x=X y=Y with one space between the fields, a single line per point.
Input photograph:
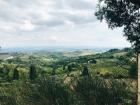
x=46 y=91
x=99 y=91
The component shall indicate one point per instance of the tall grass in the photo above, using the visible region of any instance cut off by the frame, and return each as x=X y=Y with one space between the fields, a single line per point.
x=51 y=91
x=99 y=91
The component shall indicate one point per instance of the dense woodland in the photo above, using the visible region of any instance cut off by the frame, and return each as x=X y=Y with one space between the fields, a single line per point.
x=54 y=78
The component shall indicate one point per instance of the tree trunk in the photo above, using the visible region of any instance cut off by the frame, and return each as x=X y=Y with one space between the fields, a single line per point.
x=138 y=62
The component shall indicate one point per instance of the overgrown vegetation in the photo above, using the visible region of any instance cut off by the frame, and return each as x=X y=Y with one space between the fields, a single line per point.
x=44 y=78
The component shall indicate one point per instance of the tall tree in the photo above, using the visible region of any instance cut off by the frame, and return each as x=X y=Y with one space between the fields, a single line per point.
x=125 y=14
x=32 y=74
x=16 y=74
x=122 y=13
x=85 y=71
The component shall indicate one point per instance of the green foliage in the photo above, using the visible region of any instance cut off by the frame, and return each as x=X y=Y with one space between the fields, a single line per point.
x=122 y=13
x=53 y=72
x=32 y=74
x=16 y=74
x=47 y=91
x=81 y=91
x=85 y=71
x=99 y=91
x=69 y=68
x=133 y=71
x=98 y=79
x=113 y=50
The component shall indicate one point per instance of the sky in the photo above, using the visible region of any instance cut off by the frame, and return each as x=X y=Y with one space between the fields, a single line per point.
x=55 y=23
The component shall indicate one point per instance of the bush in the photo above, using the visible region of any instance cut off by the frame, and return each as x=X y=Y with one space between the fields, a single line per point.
x=32 y=74
x=47 y=91
x=16 y=74
x=81 y=91
x=99 y=91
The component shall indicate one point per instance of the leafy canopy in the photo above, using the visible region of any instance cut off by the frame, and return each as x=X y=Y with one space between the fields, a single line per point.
x=122 y=13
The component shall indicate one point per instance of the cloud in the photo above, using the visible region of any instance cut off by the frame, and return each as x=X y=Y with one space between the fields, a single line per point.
x=48 y=13
x=59 y=22
x=27 y=26
x=81 y=4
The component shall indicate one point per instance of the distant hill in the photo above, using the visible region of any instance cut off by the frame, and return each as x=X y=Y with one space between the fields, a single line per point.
x=79 y=53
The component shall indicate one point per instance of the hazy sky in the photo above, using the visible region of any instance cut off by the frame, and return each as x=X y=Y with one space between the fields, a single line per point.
x=55 y=22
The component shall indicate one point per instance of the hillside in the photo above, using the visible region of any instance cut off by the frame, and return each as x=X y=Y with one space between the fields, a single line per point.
x=79 y=53
x=113 y=71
